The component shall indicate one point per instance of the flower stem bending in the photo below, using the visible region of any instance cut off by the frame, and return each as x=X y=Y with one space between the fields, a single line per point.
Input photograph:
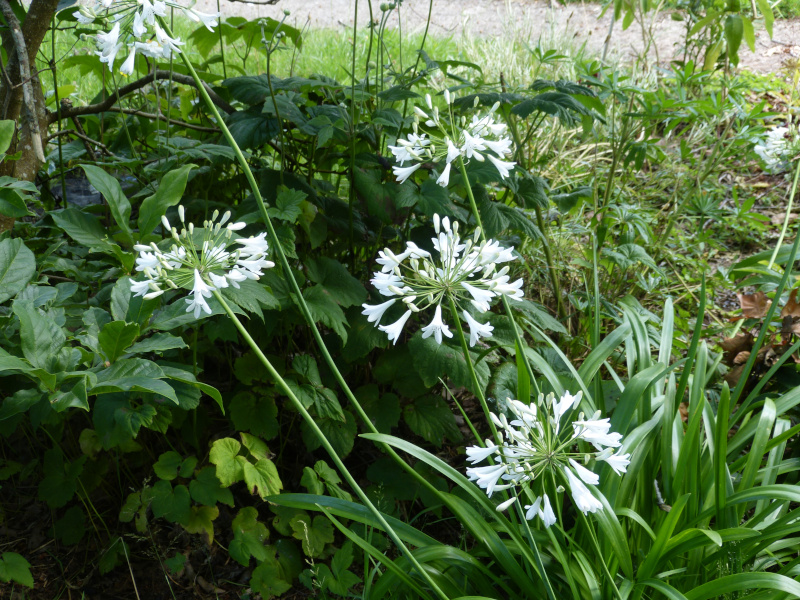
x=327 y=445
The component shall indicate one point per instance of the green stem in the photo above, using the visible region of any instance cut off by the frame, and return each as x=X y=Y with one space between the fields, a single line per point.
x=327 y=445
x=787 y=217
x=600 y=555
x=352 y=192
x=474 y=207
x=472 y=375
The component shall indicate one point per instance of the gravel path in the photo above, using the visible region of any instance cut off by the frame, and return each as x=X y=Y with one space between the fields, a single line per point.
x=530 y=19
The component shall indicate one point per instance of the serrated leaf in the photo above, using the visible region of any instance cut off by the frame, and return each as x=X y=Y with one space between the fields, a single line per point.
x=71 y=528
x=345 y=289
x=13 y=567
x=258 y=415
x=60 y=479
x=17 y=267
x=206 y=488
x=201 y=520
x=382 y=409
x=224 y=455
x=324 y=309
x=249 y=536
x=432 y=361
x=171 y=504
x=313 y=534
x=262 y=478
x=269 y=578
x=341 y=435
x=287 y=205
x=167 y=465
x=431 y=418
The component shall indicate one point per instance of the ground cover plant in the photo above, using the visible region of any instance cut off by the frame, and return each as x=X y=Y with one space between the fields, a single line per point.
x=435 y=319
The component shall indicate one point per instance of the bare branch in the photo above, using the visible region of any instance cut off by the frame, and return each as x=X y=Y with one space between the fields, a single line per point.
x=154 y=117
x=85 y=138
x=107 y=104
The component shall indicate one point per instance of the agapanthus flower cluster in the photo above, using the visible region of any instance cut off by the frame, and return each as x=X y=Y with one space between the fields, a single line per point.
x=135 y=27
x=465 y=271
x=773 y=149
x=539 y=447
x=478 y=139
x=200 y=260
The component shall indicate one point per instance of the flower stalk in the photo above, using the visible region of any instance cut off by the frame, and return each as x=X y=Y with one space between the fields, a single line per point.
x=327 y=445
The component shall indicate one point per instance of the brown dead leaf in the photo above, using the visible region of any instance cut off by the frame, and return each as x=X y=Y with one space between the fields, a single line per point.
x=741 y=358
x=733 y=347
x=684 y=410
x=754 y=306
x=732 y=376
x=792 y=306
x=789 y=326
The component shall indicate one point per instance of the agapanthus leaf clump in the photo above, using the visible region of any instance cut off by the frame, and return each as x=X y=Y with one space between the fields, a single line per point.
x=449 y=138
x=537 y=450
x=464 y=271
x=135 y=27
x=201 y=260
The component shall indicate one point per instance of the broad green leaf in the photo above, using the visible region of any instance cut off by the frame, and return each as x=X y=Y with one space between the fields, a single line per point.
x=287 y=205
x=7 y=129
x=41 y=336
x=70 y=528
x=157 y=343
x=341 y=435
x=256 y=414
x=60 y=479
x=83 y=228
x=742 y=582
x=224 y=455
x=766 y=11
x=332 y=275
x=432 y=361
x=313 y=534
x=249 y=535
x=734 y=30
x=431 y=418
x=115 y=337
x=201 y=520
x=17 y=267
x=382 y=409
x=168 y=193
x=167 y=465
x=111 y=190
x=171 y=504
x=262 y=478
x=206 y=489
x=13 y=567
x=268 y=577
x=326 y=310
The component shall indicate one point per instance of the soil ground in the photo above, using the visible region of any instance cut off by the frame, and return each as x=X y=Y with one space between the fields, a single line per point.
x=529 y=19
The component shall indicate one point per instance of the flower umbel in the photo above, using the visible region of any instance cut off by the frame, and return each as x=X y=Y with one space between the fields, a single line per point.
x=465 y=272
x=537 y=453
x=200 y=260
x=449 y=139
x=135 y=26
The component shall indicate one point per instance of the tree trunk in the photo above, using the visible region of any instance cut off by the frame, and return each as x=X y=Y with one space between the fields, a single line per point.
x=29 y=113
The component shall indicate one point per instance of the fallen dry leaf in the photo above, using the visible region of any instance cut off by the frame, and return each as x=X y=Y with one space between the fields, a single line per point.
x=792 y=306
x=754 y=306
x=733 y=347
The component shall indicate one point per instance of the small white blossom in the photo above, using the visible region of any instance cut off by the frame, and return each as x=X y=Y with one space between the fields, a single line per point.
x=374 y=313
x=218 y=261
x=462 y=272
x=532 y=448
x=451 y=139
x=395 y=329
x=619 y=462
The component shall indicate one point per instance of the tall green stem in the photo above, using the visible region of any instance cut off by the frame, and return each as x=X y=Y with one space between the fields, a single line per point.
x=474 y=206
x=327 y=445
x=788 y=216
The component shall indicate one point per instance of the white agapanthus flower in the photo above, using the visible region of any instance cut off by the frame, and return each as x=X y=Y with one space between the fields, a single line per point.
x=201 y=260
x=466 y=271
x=536 y=450
x=448 y=139
x=772 y=150
x=135 y=26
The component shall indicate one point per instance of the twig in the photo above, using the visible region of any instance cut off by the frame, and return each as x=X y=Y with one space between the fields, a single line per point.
x=21 y=50
x=88 y=142
x=146 y=115
x=105 y=105
x=86 y=139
